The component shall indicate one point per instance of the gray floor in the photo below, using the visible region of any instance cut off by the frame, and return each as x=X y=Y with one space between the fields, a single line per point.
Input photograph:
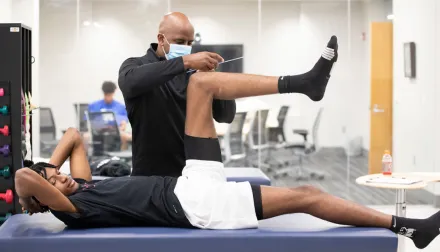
x=333 y=163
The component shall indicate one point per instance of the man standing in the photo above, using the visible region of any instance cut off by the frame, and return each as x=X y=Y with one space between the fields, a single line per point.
x=154 y=88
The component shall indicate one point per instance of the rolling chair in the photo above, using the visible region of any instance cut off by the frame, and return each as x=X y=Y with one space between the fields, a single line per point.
x=106 y=139
x=48 y=135
x=305 y=150
x=233 y=140
x=81 y=119
x=256 y=142
x=277 y=139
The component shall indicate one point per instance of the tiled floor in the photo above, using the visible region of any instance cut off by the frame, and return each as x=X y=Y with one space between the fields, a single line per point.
x=414 y=211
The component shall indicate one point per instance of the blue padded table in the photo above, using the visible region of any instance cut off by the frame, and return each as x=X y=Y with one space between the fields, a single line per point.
x=296 y=232
x=253 y=175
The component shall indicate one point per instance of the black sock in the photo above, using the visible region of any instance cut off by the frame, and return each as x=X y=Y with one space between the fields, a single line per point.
x=314 y=82
x=421 y=231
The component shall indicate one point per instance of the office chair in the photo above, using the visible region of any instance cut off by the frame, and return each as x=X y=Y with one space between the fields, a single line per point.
x=106 y=139
x=233 y=140
x=305 y=150
x=277 y=139
x=255 y=141
x=81 y=119
x=48 y=135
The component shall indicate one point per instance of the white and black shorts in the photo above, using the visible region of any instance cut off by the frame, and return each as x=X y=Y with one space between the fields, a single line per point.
x=208 y=200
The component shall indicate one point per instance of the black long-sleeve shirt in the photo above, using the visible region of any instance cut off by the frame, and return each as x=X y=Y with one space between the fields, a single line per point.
x=154 y=91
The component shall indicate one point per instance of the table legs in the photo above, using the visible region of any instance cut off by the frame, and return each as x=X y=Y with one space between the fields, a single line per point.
x=401 y=212
x=401 y=202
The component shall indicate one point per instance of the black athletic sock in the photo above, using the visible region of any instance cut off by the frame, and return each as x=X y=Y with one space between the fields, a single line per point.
x=314 y=82
x=421 y=231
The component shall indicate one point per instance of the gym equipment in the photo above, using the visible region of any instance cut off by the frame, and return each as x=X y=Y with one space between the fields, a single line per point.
x=294 y=232
x=4 y=110
x=15 y=80
x=254 y=175
x=8 y=197
x=5 y=150
x=4 y=218
x=5 y=130
x=5 y=172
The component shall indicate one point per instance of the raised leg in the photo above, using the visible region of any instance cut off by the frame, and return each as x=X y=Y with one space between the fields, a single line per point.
x=204 y=87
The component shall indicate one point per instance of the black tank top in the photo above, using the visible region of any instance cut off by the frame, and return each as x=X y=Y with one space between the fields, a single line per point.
x=125 y=201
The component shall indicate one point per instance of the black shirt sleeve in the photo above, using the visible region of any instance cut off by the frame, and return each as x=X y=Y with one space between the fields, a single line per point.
x=136 y=78
x=223 y=111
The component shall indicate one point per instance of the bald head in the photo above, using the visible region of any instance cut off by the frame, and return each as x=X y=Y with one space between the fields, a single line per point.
x=174 y=28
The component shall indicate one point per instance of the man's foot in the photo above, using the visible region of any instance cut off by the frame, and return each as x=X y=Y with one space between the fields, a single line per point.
x=421 y=231
x=313 y=83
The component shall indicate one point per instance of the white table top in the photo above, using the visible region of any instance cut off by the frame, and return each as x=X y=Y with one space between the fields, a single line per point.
x=424 y=177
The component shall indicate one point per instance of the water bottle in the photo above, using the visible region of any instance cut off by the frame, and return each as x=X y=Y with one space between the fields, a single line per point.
x=387 y=163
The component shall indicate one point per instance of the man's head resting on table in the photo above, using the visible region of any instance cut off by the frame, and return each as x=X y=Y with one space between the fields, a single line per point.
x=65 y=184
x=175 y=36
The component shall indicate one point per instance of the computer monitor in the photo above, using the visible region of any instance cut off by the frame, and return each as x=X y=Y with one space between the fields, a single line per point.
x=227 y=52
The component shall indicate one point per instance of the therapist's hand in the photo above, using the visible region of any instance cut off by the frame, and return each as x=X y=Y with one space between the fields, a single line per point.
x=203 y=61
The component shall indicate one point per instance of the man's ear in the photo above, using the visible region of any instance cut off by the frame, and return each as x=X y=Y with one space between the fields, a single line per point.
x=160 y=40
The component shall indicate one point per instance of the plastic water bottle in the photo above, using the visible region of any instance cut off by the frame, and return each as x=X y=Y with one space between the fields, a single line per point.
x=387 y=163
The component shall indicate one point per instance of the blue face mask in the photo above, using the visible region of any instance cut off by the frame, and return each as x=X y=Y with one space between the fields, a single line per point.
x=176 y=50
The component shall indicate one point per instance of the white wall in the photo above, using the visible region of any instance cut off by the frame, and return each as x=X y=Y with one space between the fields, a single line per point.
x=5 y=11
x=416 y=106
x=76 y=59
x=75 y=62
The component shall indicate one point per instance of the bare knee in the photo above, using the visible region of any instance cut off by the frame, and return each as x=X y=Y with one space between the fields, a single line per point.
x=198 y=84
x=306 y=197
x=307 y=189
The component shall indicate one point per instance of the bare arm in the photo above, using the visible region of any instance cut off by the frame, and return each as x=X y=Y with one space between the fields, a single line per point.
x=28 y=183
x=71 y=146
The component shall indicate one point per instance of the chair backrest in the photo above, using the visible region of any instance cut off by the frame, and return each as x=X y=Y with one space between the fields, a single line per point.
x=259 y=120
x=80 y=110
x=233 y=140
x=315 y=128
x=104 y=131
x=279 y=131
x=282 y=116
x=47 y=124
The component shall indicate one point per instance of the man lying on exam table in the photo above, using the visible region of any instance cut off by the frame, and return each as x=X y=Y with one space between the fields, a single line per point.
x=201 y=197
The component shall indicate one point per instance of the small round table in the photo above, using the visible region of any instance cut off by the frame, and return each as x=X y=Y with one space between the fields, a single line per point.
x=423 y=178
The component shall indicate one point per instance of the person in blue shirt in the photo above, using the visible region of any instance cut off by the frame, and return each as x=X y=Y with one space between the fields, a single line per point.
x=110 y=104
